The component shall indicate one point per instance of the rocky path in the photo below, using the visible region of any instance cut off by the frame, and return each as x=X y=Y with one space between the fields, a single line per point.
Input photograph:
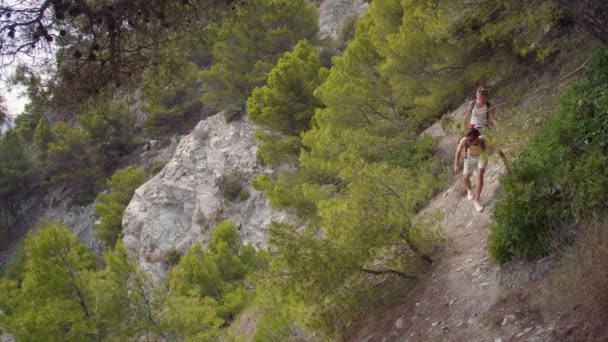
x=465 y=297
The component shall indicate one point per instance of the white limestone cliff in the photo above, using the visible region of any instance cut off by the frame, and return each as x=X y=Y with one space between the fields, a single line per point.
x=183 y=203
x=331 y=13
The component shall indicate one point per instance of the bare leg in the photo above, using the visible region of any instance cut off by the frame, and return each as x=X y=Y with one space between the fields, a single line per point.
x=467 y=181
x=480 y=173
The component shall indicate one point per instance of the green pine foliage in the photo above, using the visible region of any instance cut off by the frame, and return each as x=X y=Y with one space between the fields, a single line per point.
x=109 y=126
x=219 y=273
x=285 y=105
x=51 y=303
x=248 y=45
x=60 y=293
x=172 y=95
x=561 y=177
x=43 y=136
x=18 y=167
x=364 y=173
x=190 y=318
x=111 y=206
x=71 y=161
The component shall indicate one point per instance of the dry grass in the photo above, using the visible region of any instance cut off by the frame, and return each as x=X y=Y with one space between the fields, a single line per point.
x=577 y=291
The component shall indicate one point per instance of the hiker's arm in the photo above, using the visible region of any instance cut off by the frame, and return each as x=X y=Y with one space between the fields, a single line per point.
x=457 y=156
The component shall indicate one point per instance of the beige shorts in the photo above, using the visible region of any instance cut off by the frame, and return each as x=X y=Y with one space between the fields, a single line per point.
x=473 y=163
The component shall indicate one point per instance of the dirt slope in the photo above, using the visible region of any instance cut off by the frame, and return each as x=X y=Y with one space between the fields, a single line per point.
x=464 y=297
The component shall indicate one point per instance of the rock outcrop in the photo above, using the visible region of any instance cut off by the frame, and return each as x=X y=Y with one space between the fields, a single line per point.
x=331 y=13
x=183 y=203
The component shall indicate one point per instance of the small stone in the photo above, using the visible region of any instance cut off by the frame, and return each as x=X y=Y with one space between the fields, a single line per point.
x=498 y=339
x=417 y=303
x=471 y=321
x=435 y=324
x=399 y=323
x=507 y=319
x=484 y=284
x=451 y=302
x=527 y=330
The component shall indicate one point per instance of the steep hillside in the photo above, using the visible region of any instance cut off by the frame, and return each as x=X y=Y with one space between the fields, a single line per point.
x=462 y=297
x=294 y=182
x=466 y=296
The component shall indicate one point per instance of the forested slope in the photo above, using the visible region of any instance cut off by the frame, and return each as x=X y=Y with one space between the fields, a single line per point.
x=341 y=120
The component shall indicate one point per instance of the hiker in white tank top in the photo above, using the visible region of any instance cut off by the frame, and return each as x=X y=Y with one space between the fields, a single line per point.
x=480 y=111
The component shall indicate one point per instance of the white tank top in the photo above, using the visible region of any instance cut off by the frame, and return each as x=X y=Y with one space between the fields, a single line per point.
x=479 y=116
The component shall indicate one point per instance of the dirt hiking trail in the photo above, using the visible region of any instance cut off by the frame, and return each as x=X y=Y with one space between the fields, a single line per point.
x=465 y=297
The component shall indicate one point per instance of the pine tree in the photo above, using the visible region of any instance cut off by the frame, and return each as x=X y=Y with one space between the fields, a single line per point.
x=250 y=43
x=285 y=105
x=110 y=128
x=71 y=159
x=110 y=207
x=43 y=136
x=172 y=91
x=52 y=303
x=18 y=168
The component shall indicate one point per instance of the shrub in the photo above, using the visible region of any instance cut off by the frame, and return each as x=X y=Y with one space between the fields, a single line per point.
x=110 y=128
x=155 y=167
x=218 y=272
x=244 y=195
x=111 y=206
x=172 y=97
x=71 y=160
x=561 y=177
x=576 y=293
x=230 y=185
x=18 y=168
x=200 y=218
x=171 y=257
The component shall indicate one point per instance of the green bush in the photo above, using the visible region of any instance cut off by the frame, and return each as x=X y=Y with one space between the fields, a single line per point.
x=562 y=176
x=284 y=106
x=172 y=257
x=155 y=167
x=111 y=206
x=248 y=45
x=18 y=168
x=71 y=161
x=172 y=95
x=110 y=128
x=230 y=185
x=244 y=195
x=218 y=272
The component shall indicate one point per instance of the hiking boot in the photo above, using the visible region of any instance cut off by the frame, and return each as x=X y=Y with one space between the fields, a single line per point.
x=470 y=195
x=478 y=206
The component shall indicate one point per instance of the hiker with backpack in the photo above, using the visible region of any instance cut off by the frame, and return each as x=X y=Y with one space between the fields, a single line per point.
x=480 y=111
x=473 y=145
